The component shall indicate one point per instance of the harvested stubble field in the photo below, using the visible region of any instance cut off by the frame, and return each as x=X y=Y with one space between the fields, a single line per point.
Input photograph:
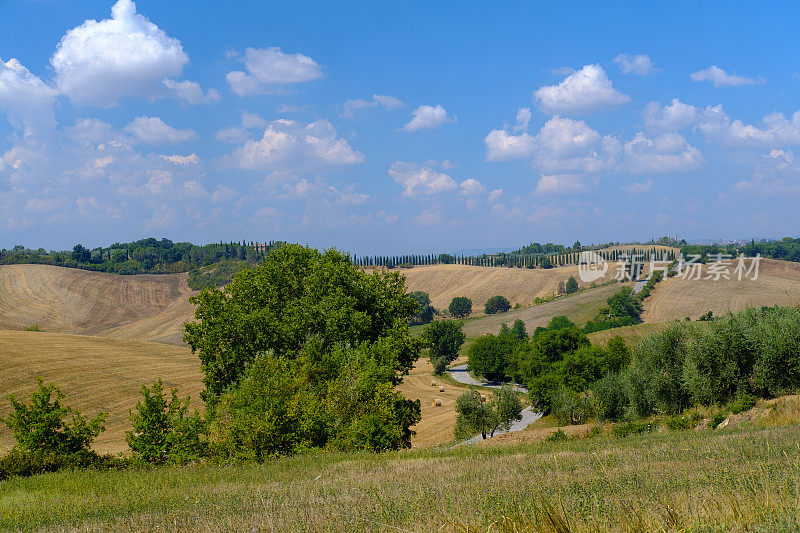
x=95 y=373
x=438 y=422
x=675 y=298
x=519 y=285
x=67 y=300
x=721 y=480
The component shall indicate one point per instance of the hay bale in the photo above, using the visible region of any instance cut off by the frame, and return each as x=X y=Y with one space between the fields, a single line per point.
x=441 y=388
x=433 y=383
x=437 y=402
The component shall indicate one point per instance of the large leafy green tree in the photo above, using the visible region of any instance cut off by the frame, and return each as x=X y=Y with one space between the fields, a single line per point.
x=425 y=311
x=477 y=414
x=443 y=339
x=497 y=304
x=460 y=307
x=318 y=344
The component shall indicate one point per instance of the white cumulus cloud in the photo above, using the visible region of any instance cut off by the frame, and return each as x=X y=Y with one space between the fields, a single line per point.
x=26 y=99
x=584 y=91
x=292 y=146
x=428 y=117
x=720 y=78
x=351 y=107
x=97 y=63
x=639 y=64
x=191 y=92
x=153 y=130
x=271 y=67
x=420 y=180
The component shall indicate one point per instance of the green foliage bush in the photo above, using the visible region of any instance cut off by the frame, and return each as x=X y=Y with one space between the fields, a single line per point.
x=443 y=339
x=497 y=304
x=683 y=422
x=569 y=407
x=164 y=432
x=33 y=327
x=571 y=286
x=460 y=307
x=743 y=403
x=633 y=428
x=497 y=413
x=40 y=426
x=425 y=311
x=557 y=436
x=610 y=399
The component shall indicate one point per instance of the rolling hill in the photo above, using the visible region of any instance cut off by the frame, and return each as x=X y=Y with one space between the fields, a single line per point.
x=675 y=298
x=66 y=300
x=95 y=373
x=106 y=335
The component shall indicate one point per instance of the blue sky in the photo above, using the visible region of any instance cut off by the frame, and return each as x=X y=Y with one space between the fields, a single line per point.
x=397 y=127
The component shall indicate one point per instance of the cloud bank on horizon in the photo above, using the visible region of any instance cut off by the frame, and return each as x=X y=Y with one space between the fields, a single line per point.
x=363 y=142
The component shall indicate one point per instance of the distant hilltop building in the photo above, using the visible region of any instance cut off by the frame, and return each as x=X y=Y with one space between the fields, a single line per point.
x=260 y=247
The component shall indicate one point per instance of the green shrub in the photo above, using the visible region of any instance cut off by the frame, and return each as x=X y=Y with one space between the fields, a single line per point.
x=633 y=428
x=683 y=422
x=40 y=426
x=741 y=404
x=557 y=436
x=610 y=398
x=164 y=432
x=569 y=407
x=33 y=327
x=717 y=419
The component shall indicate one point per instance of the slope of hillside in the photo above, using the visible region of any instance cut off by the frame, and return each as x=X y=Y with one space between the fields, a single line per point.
x=519 y=285
x=778 y=283
x=580 y=308
x=65 y=300
x=95 y=373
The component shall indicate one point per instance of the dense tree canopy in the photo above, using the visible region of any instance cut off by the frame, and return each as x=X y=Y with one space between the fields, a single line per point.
x=324 y=340
x=497 y=304
x=460 y=307
x=443 y=339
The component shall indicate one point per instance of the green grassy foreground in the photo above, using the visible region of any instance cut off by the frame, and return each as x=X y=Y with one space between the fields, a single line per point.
x=737 y=479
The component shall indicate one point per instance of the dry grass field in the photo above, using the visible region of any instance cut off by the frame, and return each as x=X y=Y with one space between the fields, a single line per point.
x=674 y=298
x=437 y=424
x=519 y=285
x=580 y=308
x=66 y=300
x=95 y=373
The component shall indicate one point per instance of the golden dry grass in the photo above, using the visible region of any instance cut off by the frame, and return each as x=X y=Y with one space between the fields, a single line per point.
x=674 y=298
x=519 y=285
x=437 y=424
x=95 y=373
x=65 y=300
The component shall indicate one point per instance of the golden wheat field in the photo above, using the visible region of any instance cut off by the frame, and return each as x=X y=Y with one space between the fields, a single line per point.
x=519 y=285
x=95 y=373
x=675 y=298
x=67 y=300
